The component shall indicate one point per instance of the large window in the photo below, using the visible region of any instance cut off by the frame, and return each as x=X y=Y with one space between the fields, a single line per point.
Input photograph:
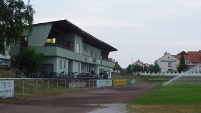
x=78 y=48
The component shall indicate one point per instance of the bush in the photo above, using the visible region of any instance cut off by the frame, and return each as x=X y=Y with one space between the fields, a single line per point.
x=30 y=60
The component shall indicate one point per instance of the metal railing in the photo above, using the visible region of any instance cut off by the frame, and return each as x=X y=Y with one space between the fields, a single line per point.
x=24 y=86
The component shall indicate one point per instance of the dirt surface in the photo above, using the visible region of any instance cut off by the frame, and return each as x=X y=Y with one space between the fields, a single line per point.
x=78 y=102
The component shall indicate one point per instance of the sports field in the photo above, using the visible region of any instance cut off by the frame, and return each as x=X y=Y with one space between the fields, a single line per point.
x=180 y=97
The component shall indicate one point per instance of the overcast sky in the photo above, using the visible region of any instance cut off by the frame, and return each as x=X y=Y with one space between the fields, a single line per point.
x=139 y=29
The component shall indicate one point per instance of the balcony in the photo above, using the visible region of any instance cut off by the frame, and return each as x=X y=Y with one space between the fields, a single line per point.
x=60 y=51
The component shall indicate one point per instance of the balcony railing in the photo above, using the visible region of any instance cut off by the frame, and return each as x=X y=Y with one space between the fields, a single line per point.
x=58 y=45
x=61 y=51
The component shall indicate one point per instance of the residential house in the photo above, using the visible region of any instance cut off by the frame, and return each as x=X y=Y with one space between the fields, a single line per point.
x=192 y=58
x=66 y=47
x=138 y=62
x=144 y=65
x=178 y=56
x=168 y=63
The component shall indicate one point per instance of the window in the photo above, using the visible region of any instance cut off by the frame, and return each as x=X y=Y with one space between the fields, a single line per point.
x=69 y=45
x=60 y=64
x=169 y=64
x=85 y=47
x=95 y=55
x=64 y=64
x=79 y=65
x=92 y=53
x=99 y=55
x=78 y=47
x=88 y=68
x=51 y=40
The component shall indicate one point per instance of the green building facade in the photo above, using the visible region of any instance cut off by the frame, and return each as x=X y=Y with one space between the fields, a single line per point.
x=67 y=48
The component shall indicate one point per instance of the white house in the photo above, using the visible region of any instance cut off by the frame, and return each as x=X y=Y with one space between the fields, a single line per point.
x=168 y=63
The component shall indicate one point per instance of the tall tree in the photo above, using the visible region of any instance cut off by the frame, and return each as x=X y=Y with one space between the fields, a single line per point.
x=15 y=16
x=182 y=66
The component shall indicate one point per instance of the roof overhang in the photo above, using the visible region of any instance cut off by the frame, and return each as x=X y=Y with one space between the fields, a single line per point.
x=64 y=26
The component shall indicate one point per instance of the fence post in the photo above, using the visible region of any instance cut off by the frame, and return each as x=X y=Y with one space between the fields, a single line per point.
x=37 y=86
x=82 y=84
x=72 y=83
x=23 y=87
x=65 y=84
x=57 y=85
x=93 y=83
x=79 y=83
x=89 y=83
x=48 y=85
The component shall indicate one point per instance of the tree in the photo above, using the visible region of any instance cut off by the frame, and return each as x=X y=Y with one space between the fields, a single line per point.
x=117 y=66
x=30 y=60
x=15 y=16
x=182 y=66
x=154 y=68
x=129 y=69
x=137 y=68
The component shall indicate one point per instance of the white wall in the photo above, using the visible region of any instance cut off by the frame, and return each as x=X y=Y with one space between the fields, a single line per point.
x=163 y=63
x=39 y=35
x=56 y=63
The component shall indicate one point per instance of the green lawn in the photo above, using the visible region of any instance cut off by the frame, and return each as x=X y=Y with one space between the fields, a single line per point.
x=176 y=93
x=174 y=98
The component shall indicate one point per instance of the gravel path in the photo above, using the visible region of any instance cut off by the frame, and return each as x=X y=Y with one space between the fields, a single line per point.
x=105 y=100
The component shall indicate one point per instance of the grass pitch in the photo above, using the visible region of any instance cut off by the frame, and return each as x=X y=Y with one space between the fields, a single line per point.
x=171 y=98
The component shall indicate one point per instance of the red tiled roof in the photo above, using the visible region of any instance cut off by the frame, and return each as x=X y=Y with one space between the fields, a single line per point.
x=179 y=57
x=183 y=52
x=141 y=63
x=194 y=56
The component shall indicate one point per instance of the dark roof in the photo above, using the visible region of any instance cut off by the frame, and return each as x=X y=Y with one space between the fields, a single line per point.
x=183 y=52
x=65 y=26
